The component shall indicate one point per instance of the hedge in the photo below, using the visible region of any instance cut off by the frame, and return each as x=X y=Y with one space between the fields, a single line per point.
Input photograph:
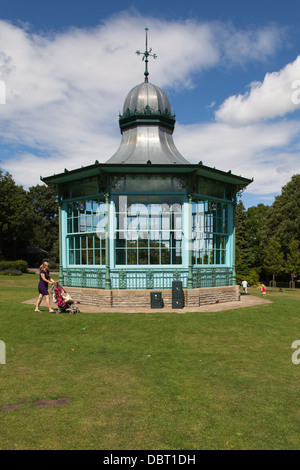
x=10 y=272
x=18 y=265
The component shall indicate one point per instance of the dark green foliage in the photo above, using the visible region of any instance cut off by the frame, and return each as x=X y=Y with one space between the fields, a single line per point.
x=283 y=219
x=27 y=218
x=250 y=250
x=251 y=275
x=15 y=217
x=18 y=265
x=267 y=237
x=45 y=219
x=10 y=272
x=274 y=258
x=292 y=266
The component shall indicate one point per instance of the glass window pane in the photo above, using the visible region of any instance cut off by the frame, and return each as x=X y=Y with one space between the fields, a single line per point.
x=83 y=217
x=165 y=256
x=77 y=257
x=179 y=184
x=131 y=256
x=120 y=256
x=211 y=188
x=143 y=256
x=75 y=225
x=151 y=221
x=71 y=257
x=90 y=257
x=154 y=256
x=84 y=187
x=153 y=183
x=117 y=183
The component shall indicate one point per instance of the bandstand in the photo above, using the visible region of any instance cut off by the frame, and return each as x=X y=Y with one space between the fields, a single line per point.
x=147 y=217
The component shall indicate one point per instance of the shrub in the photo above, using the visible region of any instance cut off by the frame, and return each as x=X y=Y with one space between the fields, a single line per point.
x=18 y=265
x=10 y=272
x=251 y=275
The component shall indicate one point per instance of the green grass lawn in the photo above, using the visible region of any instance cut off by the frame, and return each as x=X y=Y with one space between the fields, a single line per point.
x=159 y=381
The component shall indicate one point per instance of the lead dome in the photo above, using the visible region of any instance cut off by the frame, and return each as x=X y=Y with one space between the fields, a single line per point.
x=147 y=94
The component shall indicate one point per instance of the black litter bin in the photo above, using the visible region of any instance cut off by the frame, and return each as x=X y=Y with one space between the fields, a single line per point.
x=177 y=289
x=177 y=303
x=177 y=295
x=156 y=300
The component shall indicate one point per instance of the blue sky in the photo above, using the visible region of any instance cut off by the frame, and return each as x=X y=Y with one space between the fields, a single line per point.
x=230 y=69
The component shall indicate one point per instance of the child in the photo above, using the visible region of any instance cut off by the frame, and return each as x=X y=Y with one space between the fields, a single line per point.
x=245 y=285
x=263 y=289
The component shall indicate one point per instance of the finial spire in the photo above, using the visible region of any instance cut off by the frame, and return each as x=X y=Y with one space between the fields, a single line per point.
x=145 y=55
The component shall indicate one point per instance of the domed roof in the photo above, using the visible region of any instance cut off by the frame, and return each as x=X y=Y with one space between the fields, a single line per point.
x=147 y=95
x=147 y=126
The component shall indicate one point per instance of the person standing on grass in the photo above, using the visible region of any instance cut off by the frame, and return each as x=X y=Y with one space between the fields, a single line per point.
x=45 y=279
x=245 y=286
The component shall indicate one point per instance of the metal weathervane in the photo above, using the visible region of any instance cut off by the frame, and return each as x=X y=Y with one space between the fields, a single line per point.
x=145 y=55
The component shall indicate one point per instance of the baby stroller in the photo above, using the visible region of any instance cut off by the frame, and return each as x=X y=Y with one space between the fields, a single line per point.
x=63 y=300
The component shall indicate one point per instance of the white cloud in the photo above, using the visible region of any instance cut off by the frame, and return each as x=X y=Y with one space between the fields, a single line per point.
x=241 y=45
x=65 y=90
x=256 y=151
x=276 y=96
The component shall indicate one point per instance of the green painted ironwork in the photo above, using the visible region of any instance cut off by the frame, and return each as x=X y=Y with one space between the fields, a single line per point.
x=148 y=279
x=213 y=277
x=107 y=269
x=147 y=115
x=190 y=274
x=94 y=278
x=233 y=241
x=60 y=244
x=122 y=280
x=83 y=278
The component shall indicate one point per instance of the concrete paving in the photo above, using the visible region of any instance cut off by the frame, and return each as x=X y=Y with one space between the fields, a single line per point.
x=245 y=301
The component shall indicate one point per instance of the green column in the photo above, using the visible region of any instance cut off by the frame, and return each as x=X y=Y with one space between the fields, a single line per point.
x=60 y=234
x=233 y=221
x=107 y=242
x=190 y=246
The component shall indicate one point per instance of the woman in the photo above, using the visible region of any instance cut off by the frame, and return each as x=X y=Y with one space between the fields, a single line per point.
x=45 y=279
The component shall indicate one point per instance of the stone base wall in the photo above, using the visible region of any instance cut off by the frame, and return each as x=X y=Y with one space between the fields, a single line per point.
x=140 y=298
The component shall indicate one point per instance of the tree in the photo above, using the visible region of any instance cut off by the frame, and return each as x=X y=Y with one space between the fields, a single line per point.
x=241 y=262
x=45 y=222
x=15 y=217
x=255 y=218
x=293 y=259
x=249 y=247
x=283 y=220
x=274 y=258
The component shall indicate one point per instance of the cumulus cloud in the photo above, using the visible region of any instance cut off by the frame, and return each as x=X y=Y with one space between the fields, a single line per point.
x=254 y=151
x=277 y=95
x=66 y=89
x=242 y=45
